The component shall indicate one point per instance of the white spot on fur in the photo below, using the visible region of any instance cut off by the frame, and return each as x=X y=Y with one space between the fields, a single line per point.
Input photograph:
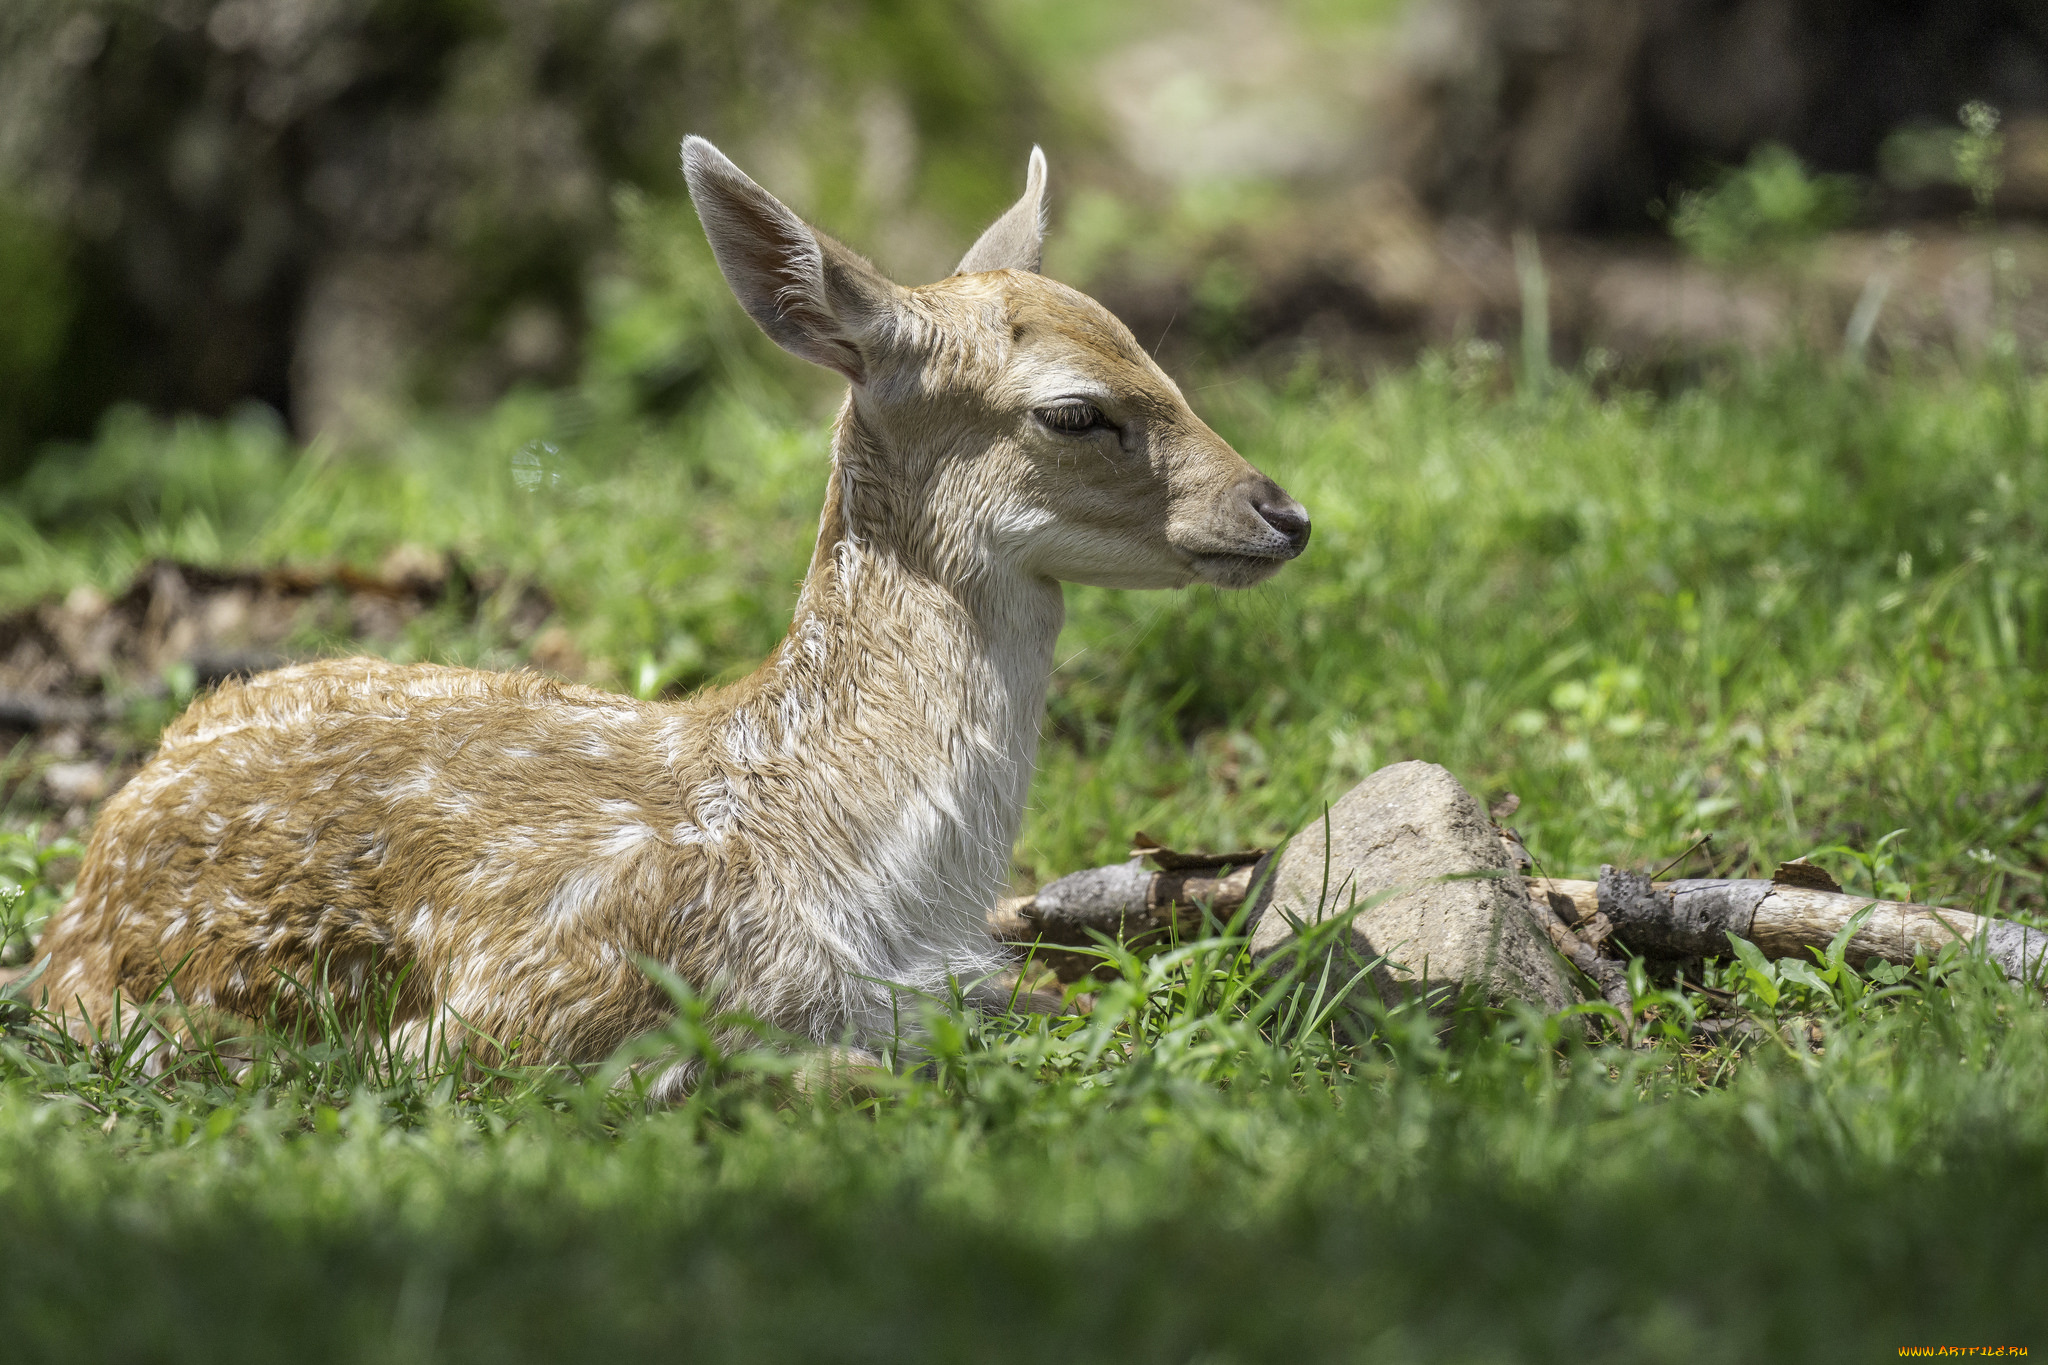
x=789 y=712
x=743 y=740
x=578 y=895
x=846 y=559
x=720 y=805
x=596 y=746
x=626 y=838
x=419 y=783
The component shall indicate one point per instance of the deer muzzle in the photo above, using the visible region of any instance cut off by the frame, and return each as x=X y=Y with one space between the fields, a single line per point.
x=1259 y=528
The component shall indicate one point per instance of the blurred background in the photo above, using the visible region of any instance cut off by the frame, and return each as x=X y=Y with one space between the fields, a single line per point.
x=346 y=211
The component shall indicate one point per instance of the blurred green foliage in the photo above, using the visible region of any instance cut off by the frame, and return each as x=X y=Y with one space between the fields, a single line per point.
x=30 y=890
x=663 y=328
x=1977 y=155
x=246 y=201
x=142 y=473
x=1769 y=205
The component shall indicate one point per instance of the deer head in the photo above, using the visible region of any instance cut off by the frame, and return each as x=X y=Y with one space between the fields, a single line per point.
x=999 y=423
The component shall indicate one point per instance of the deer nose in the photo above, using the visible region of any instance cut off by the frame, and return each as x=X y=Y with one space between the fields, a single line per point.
x=1286 y=516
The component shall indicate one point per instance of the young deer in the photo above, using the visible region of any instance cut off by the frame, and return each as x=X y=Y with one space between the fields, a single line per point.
x=838 y=820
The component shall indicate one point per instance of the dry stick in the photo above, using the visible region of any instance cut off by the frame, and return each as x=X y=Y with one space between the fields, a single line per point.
x=1127 y=902
x=1693 y=918
x=1606 y=973
x=36 y=711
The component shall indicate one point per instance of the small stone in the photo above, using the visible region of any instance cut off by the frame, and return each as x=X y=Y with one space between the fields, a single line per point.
x=1405 y=830
x=85 y=603
x=76 y=784
x=414 y=569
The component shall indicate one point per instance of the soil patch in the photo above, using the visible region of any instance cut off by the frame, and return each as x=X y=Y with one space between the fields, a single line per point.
x=87 y=682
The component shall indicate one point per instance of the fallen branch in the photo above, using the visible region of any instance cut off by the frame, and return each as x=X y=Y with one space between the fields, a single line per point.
x=30 y=711
x=1784 y=917
x=1127 y=902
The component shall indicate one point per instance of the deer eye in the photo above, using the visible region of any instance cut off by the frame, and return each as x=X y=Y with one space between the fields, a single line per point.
x=1072 y=418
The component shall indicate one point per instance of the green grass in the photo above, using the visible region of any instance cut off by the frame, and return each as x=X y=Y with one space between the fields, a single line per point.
x=1797 y=609
x=1192 y=1191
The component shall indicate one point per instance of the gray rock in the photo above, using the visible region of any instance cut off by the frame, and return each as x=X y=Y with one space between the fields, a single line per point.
x=1404 y=830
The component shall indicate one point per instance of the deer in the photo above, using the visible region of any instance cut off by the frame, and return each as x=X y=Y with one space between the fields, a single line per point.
x=519 y=853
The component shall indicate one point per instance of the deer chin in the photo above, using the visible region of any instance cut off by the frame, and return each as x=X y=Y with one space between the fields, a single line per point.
x=1228 y=569
x=1065 y=554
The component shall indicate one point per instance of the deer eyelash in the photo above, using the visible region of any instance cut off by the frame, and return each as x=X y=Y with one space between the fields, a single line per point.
x=1074 y=419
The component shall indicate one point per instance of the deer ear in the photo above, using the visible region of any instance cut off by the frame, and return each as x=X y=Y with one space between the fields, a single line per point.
x=812 y=296
x=1016 y=240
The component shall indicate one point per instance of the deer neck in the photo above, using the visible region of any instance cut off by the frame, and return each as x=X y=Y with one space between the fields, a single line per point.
x=911 y=686
x=917 y=585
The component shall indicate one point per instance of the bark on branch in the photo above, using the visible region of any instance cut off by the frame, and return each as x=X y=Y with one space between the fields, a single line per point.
x=1783 y=918
x=1127 y=902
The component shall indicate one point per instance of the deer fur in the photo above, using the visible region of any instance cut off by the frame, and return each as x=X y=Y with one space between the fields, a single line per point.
x=839 y=820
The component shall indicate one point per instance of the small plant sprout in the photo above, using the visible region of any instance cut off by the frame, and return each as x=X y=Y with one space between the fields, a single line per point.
x=1978 y=154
